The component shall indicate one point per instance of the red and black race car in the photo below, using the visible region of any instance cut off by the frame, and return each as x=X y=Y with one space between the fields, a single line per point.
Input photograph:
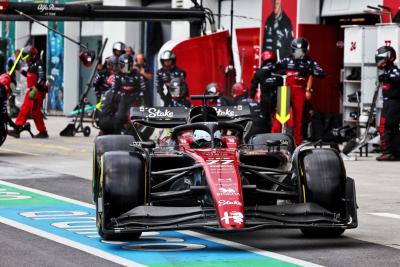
x=209 y=174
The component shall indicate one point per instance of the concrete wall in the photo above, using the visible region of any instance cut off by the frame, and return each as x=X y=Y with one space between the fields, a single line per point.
x=21 y=33
x=308 y=11
x=249 y=9
x=128 y=32
x=71 y=67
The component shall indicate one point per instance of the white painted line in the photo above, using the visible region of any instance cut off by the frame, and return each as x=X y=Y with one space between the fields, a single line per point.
x=195 y=234
x=73 y=201
x=250 y=249
x=388 y=215
x=70 y=243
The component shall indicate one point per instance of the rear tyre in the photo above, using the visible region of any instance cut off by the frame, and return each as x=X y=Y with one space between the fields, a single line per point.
x=324 y=183
x=104 y=144
x=122 y=188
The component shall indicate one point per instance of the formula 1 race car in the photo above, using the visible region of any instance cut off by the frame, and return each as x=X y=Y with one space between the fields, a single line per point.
x=207 y=176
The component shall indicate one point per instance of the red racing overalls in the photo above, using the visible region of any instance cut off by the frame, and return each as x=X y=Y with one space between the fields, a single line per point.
x=302 y=69
x=36 y=80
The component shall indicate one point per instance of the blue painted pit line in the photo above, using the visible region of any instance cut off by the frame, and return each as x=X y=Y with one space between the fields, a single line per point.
x=73 y=223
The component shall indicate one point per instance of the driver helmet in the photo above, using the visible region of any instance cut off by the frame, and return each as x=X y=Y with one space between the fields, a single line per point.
x=239 y=89
x=29 y=54
x=125 y=63
x=300 y=48
x=202 y=139
x=168 y=55
x=177 y=88
x=118 y=48
x=385 y=56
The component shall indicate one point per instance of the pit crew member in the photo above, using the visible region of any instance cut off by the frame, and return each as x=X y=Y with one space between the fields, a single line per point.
x=390 y=118
x=300 y=68
x=37 y=90
x=263 y=79
x=166 y=73
x=126 y=90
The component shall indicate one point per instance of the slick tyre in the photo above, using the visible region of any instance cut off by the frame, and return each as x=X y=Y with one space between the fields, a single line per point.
x=122 y=188
x=324 y=184
x=103 y=144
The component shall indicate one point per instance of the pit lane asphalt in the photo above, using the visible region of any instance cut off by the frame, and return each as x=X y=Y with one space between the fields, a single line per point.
x=63 y=166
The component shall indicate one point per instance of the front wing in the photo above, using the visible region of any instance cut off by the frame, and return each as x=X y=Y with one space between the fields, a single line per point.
x=296 y=215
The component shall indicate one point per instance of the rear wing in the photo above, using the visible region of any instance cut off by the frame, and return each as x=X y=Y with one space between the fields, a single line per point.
x=168 y=117
x=233 y=112
x=160 y=117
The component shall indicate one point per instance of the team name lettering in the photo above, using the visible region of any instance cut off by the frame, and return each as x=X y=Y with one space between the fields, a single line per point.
x=228 y=202
x=49 y=7
x=226 y=112
x=153 y=113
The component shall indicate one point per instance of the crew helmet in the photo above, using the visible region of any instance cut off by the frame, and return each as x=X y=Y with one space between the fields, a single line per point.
x=239 y=89
x=300 y=47
x=125 y=63
x=268 y=56
x=167 y=55
x=213 y=89
x=29 y=54
x=113 y=64
x=118 y=48
x=385 y=56
x=177 y=88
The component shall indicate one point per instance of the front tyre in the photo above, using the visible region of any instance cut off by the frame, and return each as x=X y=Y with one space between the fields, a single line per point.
x=103 y=144
x=123 y=182
x=324 y=183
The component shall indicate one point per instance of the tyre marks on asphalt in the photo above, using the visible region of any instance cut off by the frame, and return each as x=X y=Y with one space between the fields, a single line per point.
x=19 y=152
x=47 y=147
x=18 y=171
x=387 y=215
x=72 y=223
